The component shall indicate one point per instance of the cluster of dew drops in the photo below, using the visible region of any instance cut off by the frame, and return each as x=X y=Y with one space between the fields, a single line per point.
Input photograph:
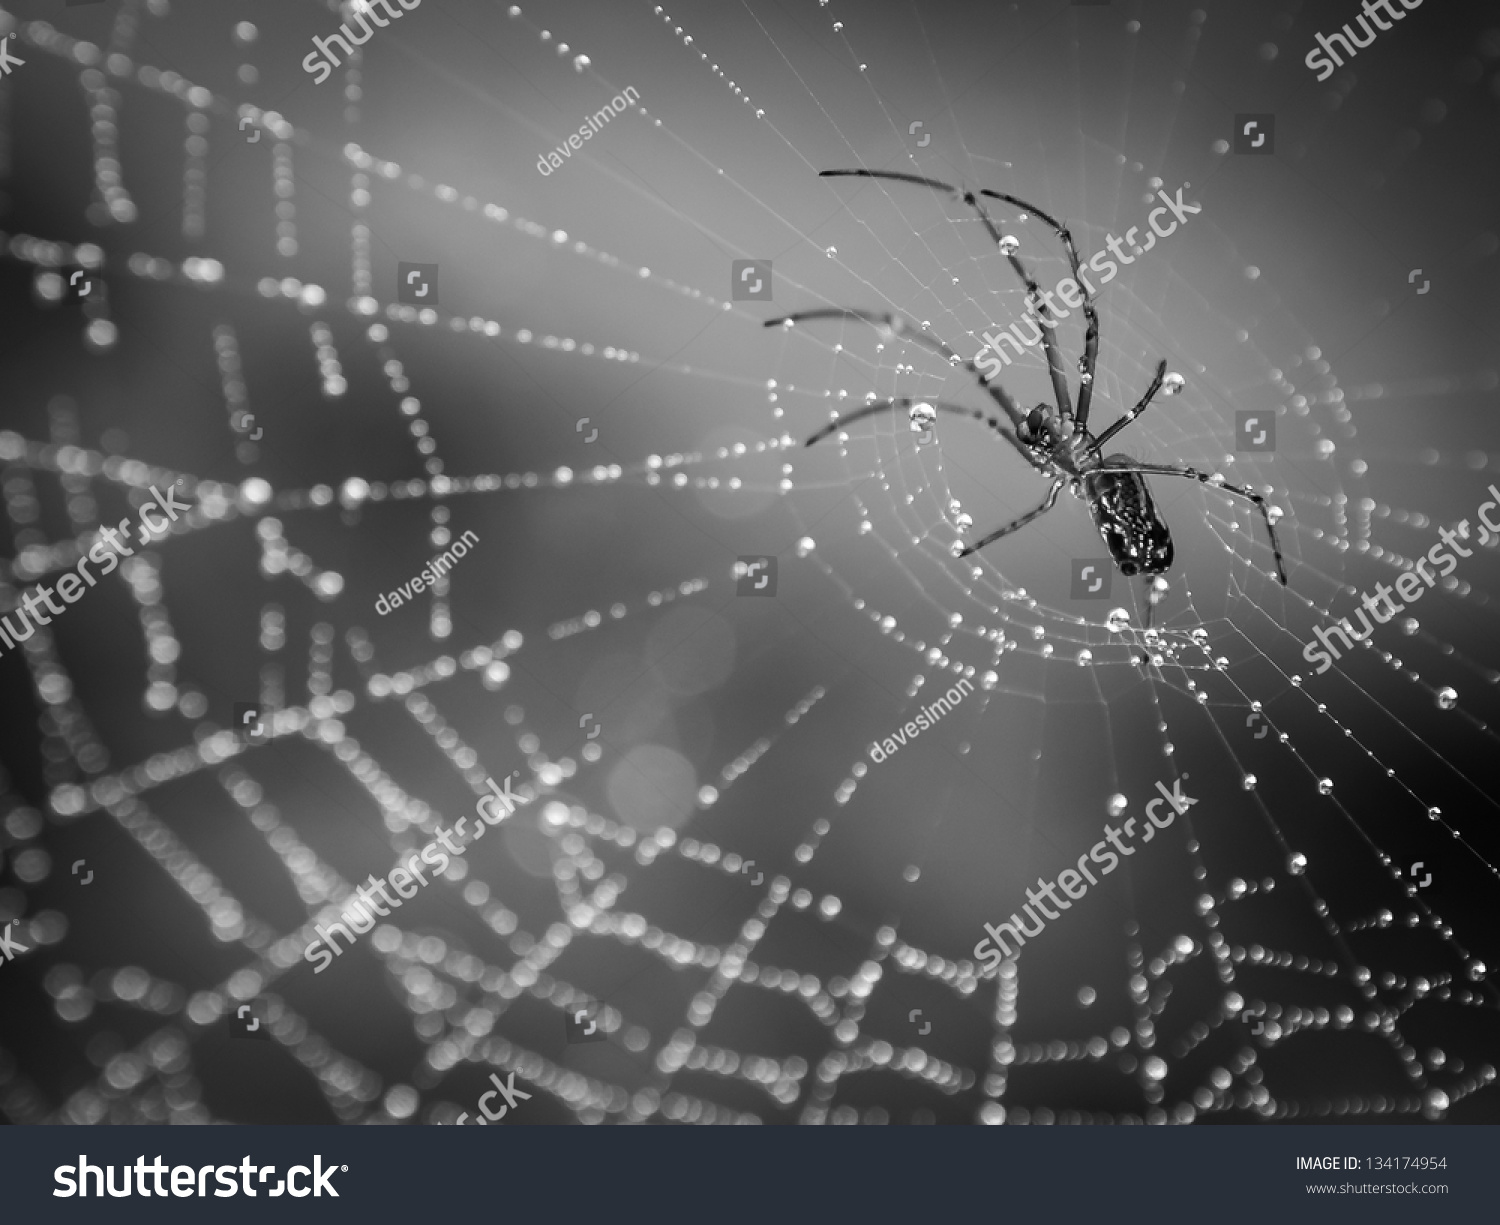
x=1158 y=648
x=923 y=416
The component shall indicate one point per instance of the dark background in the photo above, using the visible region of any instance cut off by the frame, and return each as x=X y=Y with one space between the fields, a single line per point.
x=1292 y=292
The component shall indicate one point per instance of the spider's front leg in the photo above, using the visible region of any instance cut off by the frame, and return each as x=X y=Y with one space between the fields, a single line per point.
x=1091 y=338
x=942 y=406
x=1055 y=368
x=1145 y=401
x=898 y=327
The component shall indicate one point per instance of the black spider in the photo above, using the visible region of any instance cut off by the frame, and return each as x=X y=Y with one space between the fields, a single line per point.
x=1056 y=442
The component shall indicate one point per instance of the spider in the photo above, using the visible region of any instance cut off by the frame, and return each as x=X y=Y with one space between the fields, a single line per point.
x=1054 y=441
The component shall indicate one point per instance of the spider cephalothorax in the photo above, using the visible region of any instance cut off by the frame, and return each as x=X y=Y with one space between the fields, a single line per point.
x=1054 y=441
x=1044 y=428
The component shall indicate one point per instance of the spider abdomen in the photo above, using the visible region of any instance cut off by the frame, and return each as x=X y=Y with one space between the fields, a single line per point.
x=1135 y=534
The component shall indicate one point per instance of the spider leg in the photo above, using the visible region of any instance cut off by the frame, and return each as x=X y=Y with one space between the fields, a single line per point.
x=1091 y=339
x=887 y=174
x=902 y=328
x=1135 y=412
x=1049 y=337
x=880 y=406
x=1218 y=483
x=967 y=196
x=1047 y=504
x=1055 y=369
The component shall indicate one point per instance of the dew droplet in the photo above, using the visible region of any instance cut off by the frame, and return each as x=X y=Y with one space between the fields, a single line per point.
x=1009 y=245
x=1085 y=657
x=1476 y=970
x=1296 y=863
x=989 y=680
x=1117 y=621
x=963 y=522
x=830 y=252
x=1325 y=786
x=1410 y=625
x=1172 y=384
x=1248 y=782
x=1086 y=996
x=1116 y=805
x=1447 y=697
x=922 y=415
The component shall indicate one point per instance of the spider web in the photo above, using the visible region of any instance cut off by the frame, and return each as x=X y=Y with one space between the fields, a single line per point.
x=1272 y=956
